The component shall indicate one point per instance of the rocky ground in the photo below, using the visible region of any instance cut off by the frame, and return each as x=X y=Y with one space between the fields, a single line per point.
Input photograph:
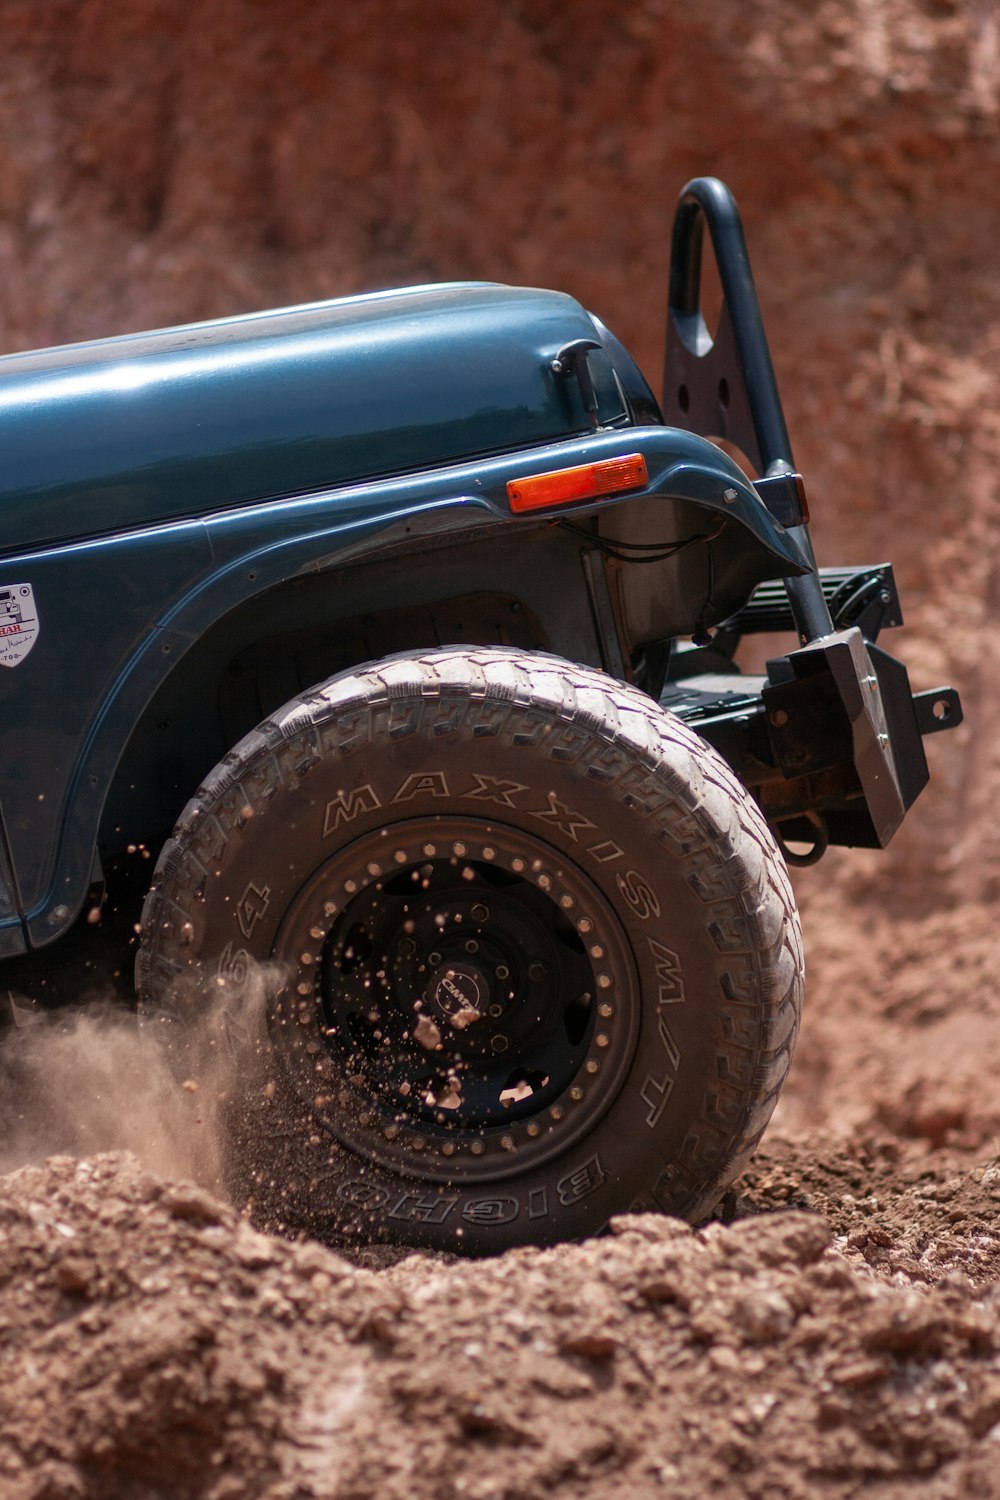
x=841 y=1333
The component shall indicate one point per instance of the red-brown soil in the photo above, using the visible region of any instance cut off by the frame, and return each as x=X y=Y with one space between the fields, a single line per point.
x=842 y=1335
x=156 y=1346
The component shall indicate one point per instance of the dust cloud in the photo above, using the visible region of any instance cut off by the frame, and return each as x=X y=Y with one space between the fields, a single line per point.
x=100 y=1078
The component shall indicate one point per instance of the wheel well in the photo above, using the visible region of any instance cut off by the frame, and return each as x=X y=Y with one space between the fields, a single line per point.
x=272 y=669
x=263 y=654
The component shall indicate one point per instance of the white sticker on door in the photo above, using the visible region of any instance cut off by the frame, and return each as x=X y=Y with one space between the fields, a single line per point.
x=18 y=623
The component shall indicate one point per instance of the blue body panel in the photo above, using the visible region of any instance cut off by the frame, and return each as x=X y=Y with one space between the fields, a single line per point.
x=153 y=484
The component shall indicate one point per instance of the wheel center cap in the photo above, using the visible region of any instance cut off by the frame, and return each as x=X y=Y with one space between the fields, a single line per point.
x=459 y=990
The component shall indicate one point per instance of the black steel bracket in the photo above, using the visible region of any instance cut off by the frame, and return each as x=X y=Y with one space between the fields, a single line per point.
x=937 y=709
x=722 y=386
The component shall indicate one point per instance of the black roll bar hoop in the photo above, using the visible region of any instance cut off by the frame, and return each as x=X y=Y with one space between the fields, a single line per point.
x=725 y=387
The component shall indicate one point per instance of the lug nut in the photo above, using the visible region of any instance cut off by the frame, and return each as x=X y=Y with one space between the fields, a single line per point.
x=472 y=946
x=407 y=948
x=480 y=913
x=499 y=1042
x=502 y=971
x=536 y=973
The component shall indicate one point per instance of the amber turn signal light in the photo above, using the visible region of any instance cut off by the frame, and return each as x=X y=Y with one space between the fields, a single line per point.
x=584 y=482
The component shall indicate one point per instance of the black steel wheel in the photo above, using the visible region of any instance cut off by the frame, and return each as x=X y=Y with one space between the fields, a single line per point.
x=530 y=954
x=471 y=994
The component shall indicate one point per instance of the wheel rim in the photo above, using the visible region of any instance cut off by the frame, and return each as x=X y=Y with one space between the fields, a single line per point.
x=461 y=1000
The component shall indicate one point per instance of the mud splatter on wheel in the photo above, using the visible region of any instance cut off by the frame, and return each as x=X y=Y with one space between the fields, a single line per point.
x=538 y=959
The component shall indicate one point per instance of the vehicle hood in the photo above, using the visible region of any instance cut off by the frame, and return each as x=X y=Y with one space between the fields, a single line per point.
x=137 y=430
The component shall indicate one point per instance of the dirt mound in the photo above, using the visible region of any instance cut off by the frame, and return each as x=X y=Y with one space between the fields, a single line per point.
x=156 y=1346
x=906 y=1212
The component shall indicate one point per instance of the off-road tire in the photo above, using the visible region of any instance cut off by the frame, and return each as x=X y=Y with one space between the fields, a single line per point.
x=542 y=806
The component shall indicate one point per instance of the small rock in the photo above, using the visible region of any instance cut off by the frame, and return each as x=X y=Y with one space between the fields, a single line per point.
x=427 y=1033
x=664 y=1288
x=594 y=1345
x=650 y=1226
x=859 y=1372
x=73 y=1275
x=185 y=1201
x=763 y=1316
x=793 y=1238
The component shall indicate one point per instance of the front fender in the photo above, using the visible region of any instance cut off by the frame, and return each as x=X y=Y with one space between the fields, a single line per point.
x=103 y=652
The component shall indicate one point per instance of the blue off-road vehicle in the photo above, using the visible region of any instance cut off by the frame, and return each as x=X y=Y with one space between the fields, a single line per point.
x=415 y=617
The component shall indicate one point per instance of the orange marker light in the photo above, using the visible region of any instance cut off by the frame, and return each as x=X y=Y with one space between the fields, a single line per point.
x=584 y=482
